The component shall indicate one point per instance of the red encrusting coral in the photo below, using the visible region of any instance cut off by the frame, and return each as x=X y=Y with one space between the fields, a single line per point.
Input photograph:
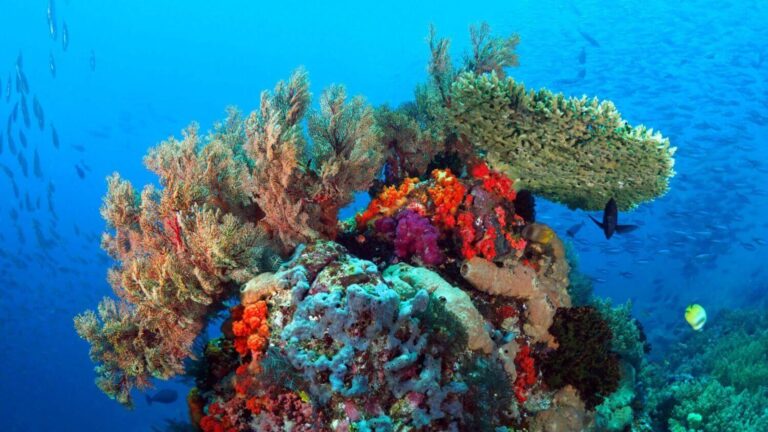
x=217 y=420
x=526 y=373
x=494 y=182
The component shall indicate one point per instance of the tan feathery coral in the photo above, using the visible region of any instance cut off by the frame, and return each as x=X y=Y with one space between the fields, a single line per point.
x=300 y=188
x=179 y=254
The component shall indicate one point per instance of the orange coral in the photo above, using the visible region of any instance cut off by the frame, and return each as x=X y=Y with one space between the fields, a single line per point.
x=446 y=194
x=388 y=201
x=252 y=331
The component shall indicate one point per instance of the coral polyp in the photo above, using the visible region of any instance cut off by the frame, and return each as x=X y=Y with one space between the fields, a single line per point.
x=442 y=305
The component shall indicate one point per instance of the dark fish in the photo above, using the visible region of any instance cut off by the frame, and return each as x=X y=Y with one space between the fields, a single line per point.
x=80 y=172
x=25 y=111
x=610 y=221
x=54 y=137
x=78 y=147
x=582 y=56
x=92 y=61
x=581 y=74
x=8 y=89
x=11 y=143
x=23 y=164
x=163 y=396
x=525 y=205
x=64 y=36
x=15 y=188
x=22 y=85
x=39 y=113
x=14 y=114
x=592 y=41
x=748 y=246
x=572 y=231
x=22 y=139
x=51 y=12
x=7 y=171
x=52 y=65
x=36 y=164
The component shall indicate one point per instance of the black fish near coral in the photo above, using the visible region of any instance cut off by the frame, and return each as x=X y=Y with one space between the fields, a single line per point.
x=610 y=224
x=573 y=230
x=165 y=396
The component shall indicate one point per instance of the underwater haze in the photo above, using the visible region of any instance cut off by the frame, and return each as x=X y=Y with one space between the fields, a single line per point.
x=438 y=254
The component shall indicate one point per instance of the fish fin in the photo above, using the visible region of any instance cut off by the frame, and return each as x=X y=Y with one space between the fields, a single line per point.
x=149 y=399
x=623 y=229
x=600 y=224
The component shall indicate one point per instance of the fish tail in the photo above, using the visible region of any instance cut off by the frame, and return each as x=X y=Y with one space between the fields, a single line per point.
x=600 y=224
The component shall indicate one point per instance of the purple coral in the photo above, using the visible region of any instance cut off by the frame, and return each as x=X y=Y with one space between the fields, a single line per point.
x=415 y=235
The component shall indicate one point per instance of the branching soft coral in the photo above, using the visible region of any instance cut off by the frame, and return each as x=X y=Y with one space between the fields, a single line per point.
x=408 y=142
x=179 y=254
x=302 y=187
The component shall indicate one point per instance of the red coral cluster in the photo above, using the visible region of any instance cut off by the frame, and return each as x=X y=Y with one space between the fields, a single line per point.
x=526 y=373
x=477 y=213
x=218 y=419
x=388 y=201
x=494 y=181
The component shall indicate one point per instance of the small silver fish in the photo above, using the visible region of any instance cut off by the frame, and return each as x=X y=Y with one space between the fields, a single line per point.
x=64 y=36
x=51 y=12
x=52 y=65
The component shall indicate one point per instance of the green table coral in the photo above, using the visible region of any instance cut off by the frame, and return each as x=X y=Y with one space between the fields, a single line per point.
x=575 y=151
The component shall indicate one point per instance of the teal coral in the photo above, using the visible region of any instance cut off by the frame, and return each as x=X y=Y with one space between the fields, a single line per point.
x=709 y=406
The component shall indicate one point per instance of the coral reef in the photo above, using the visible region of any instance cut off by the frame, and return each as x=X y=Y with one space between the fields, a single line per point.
x=724 y=387
x=442 y=305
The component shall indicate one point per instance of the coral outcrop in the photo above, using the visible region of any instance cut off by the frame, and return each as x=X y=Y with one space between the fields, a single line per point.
x=442 y=305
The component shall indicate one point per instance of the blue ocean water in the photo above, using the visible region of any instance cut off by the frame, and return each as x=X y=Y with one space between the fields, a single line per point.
x=135 y=73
